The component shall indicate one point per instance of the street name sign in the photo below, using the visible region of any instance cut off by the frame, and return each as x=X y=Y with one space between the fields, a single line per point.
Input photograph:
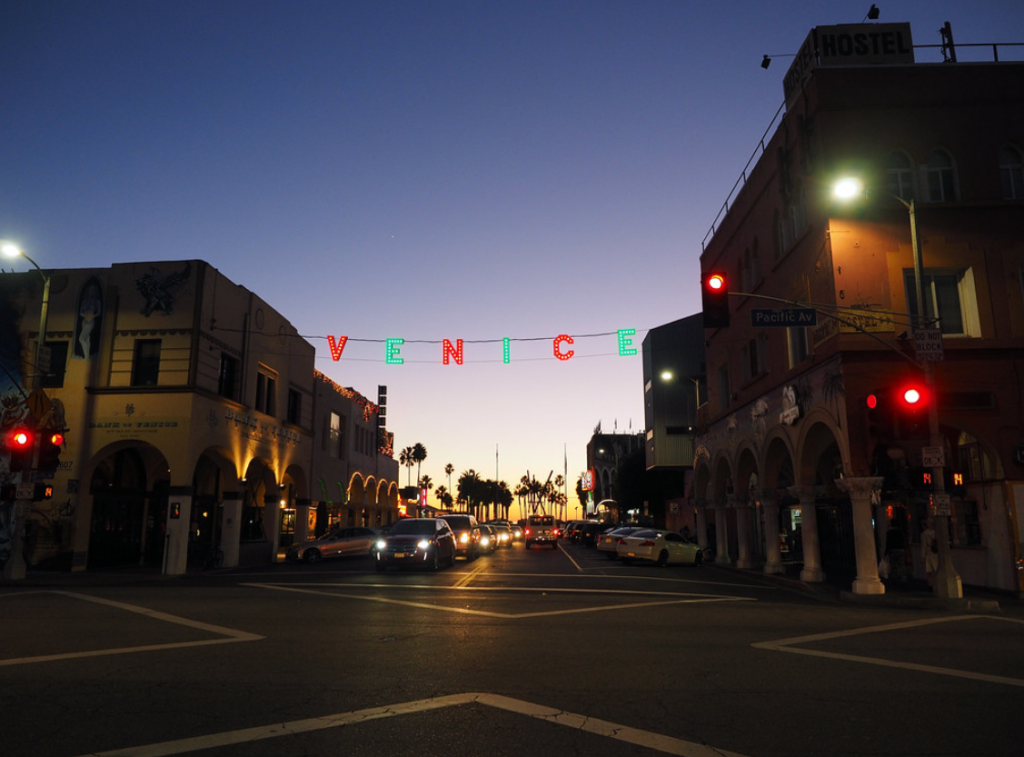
x=784 y=317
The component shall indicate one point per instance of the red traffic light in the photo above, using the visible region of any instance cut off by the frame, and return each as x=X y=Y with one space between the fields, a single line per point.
x=871 y=401
x=57 y=438
x=20 y=439
x=714 y=291
x=912 y=396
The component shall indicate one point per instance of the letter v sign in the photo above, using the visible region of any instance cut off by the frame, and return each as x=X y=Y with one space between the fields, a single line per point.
x=337 y=347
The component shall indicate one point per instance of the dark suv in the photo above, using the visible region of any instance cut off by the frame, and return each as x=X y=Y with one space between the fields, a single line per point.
x=467 y=534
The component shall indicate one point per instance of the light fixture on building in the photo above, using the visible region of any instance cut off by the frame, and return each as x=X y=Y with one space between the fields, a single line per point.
x=765 y=62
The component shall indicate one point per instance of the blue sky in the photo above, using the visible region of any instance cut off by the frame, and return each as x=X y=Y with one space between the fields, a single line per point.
x=419 y=170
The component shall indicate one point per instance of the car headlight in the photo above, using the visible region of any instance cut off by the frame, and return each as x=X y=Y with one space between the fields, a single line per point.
x=464 y=538
x=423 y=543
x=381 y=544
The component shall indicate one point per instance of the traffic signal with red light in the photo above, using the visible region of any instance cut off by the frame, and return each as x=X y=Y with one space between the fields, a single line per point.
x=714 y=292
x=51 y=444
x=20 y=443
x=897 y=412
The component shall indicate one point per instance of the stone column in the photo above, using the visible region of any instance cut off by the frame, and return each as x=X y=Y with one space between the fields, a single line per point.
x=701 y=506
x=231 y=527
x=860 y=489
x=812 y=572
x=722 y=556
x=772 y=552
x=744 y=539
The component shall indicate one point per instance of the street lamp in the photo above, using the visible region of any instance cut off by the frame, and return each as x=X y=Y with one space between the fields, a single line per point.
x=947 y=584
x=11 y=250
x=668 y=376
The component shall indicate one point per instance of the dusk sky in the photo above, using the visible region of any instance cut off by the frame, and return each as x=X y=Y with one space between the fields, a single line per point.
x=420 y=170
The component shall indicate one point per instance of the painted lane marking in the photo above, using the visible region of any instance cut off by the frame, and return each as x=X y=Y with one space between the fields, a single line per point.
x=788 y=645
x=678 y=599
x=605 y=728
x=230 y=635
x=469 y=576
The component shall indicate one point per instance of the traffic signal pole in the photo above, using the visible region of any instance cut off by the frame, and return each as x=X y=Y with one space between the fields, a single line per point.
x=14 y=569
x=946 y=582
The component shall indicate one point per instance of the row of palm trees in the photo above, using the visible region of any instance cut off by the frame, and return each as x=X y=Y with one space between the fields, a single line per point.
x=481 y=496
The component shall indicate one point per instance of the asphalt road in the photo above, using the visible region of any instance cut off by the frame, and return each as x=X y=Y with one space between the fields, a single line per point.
x=539 y=652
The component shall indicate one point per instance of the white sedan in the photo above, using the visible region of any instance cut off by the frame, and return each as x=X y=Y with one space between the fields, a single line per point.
x=658 y=546
x=608 y=542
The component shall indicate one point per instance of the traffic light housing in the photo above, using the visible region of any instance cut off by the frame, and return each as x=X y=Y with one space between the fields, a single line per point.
x=714 y=292
x=20 y=443
x=898 y=412
x=51 y=444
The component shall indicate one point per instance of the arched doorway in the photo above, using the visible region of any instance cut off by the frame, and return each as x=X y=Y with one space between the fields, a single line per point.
x=129 y=515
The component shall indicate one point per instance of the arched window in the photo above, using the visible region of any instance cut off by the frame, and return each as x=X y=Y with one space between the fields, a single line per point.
x=899 y=175
x=941 y=177
x=1011 y=171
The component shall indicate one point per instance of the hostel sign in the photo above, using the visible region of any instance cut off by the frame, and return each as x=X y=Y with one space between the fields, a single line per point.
x=848 y=45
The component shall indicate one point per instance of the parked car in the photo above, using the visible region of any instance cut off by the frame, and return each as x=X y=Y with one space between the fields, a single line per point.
x=659 y=546
x=341 y=542
x=418 y=542
x=587 y=533
x=467 y=534
x=569 y=529
x=608 y=541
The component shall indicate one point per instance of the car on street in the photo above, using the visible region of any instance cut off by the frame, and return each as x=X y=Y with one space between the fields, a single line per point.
x=416 y=542
x=608 y=542
x=503 y=534
x=467 y=534
x=541 y=529
x=341 y=542
x=660 y=547
x=488 y=539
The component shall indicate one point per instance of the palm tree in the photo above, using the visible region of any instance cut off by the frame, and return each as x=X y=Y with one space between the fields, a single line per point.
x=426 y=483
x=469 y=489
x=443 y=497
x=449 y=469
x=406 y=458
x=419 y=454
x=505 y=498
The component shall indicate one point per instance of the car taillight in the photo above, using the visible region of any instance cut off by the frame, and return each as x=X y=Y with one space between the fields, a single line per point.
x=620 y=540
x=647 y=543
x=526 y=531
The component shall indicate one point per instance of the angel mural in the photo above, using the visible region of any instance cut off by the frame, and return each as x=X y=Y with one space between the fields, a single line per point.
x=87 y=323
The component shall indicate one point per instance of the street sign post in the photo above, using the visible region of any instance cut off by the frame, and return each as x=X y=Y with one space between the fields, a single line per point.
x=928 y=344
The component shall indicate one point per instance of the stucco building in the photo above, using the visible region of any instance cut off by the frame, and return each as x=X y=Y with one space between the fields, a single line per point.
x=193 y=415
x=793 y=461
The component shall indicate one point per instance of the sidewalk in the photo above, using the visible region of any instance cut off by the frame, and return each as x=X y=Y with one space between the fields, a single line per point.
x=913 y=594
